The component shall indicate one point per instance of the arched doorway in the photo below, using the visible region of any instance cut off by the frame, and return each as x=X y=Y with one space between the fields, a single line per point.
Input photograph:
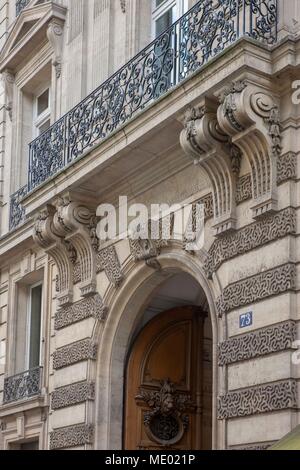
x=129 y=313
x=168 y=379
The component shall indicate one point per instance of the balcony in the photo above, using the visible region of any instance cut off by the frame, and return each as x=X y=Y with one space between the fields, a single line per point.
x=203 y=33
x=20 y=5
x=22 y=386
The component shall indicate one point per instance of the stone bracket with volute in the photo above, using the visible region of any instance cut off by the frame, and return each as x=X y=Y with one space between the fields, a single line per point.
x=250 y=116
x=203 y=140
x=55 y=37
x=246 y=124
x=66 y=230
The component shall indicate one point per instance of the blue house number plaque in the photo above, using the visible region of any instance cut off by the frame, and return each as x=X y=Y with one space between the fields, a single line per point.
x=246 y=319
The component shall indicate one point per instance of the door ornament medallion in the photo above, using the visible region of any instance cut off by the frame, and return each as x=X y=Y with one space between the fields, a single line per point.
x=167 y=420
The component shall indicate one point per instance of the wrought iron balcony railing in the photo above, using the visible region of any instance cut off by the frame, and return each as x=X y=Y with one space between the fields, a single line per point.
x=20 y=5
x=17 y=212
x=202 y=33
x=22 y=386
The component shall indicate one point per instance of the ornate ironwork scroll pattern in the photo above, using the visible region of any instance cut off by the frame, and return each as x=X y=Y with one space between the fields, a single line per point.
x=202 y=33
x=22 y=386
x=20 y=5
x=165 y=428
x=46 y=153
x=17 y=211
x=263 y=19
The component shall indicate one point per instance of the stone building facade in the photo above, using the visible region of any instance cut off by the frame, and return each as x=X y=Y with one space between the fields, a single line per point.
x=207 y=112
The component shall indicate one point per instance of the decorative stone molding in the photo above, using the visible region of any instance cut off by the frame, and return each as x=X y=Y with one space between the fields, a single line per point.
x=256 y=288
x=286 y=167
x=257 y=343
x=76 y=273
x=203 y=140
x=89 y=307
x=46 y=236
x=208 y=203
x=108 y=261
x=72 y=436
x=286 y=170
x=250 y=116
x=8 y=80
x=55 y=37
x=72 y=395
x=248 y=238
x=257 y=400
x=259 y=446
x=194 y=229
x=243 y=189
x=72 y=354
x=75 y=222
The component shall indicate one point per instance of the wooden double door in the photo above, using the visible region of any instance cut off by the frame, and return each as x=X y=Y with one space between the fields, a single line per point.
x=168 y=384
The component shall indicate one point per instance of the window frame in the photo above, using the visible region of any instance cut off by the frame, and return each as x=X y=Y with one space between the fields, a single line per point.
x=181 y=6
x=28 y=325
x=40 y=119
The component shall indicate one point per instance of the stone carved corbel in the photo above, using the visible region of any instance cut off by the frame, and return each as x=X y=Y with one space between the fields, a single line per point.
x=46 y=236
x=204 y=142
x=55 y=37
x=8 y=80
x=73 y=221
x=251 y=118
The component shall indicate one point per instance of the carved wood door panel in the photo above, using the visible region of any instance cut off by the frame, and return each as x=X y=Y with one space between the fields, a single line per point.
x=164 y=384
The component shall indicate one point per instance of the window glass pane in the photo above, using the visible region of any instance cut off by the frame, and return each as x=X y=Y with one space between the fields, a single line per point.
x=159 y=2
x=43 y=102
x=35 y=327
x=163 y=22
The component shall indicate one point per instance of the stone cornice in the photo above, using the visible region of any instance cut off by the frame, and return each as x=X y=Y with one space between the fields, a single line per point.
x=259 y=287
x=16 y=49
x=260 y=399
x=250 y=237
x=72 y=395
x=257 y=343
x=73 y=353
x=72 y=436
